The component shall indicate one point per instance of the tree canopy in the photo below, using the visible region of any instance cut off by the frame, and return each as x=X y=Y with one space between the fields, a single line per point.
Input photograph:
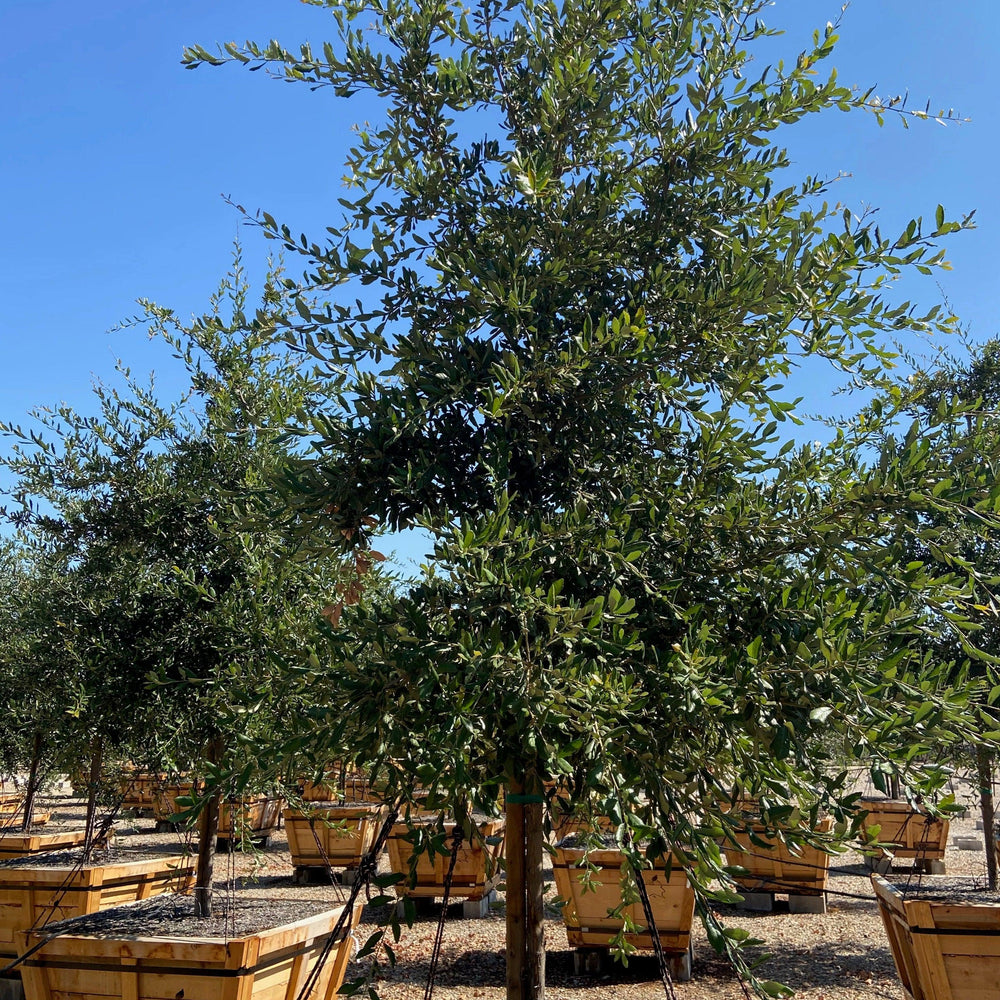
x=161 y=618
x=574 y=271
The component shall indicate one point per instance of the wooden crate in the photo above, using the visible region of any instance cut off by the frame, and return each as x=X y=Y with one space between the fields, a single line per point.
x=331 y=834
x=165 y=799
x=942 y=951
x=256 y=817
x=336 y=786
x=138 y=789
x=10 y=805
x=38 y=896
x=587 y=910
x=271 y=965
x=477 y=866
x=21 y=845
x=908 y=832
x=570 y=824
x=776 y=866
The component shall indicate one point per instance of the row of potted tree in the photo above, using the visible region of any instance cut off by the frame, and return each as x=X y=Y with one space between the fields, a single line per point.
x=149 y=616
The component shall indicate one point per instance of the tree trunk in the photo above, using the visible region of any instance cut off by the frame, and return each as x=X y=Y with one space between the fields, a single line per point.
x=208 y=830
x=93 y=783
x=514 y=846
x=984 y=770
x=893 y=786
x=29 y=792
x=524 y=837
x=535 y=892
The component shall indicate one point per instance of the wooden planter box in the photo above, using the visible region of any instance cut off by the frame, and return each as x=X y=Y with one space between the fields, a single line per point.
x=776 y=866
x=10 y=804
x=165 y=799
x=45 y=895
x=256 y=817
x=908 y=832
x=570 y=824
x=331 y=835
x=942 y=951
x=477 y=866
x=270 y=965
x=337 y=787
x=21 y=845
x=138 y=789
x=586 y=913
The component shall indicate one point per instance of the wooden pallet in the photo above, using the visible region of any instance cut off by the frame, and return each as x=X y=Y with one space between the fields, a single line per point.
x=942 y=951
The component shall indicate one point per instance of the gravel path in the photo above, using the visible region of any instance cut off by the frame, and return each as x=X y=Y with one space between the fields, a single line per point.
x=841 y=954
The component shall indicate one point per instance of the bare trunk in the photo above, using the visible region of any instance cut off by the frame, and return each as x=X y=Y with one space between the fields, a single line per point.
x=514 y=844
x=524 y=837
x=96 y=760
x=29 y=792
x=984 y=769
x=208 y=830
x=535 y=905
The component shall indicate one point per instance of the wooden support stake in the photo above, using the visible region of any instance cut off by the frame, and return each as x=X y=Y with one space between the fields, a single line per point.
x=984 y=770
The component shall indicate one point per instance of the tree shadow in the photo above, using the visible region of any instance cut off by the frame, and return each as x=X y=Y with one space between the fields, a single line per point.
x=863 y=966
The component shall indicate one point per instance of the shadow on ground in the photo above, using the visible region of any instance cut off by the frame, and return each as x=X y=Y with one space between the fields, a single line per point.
x=829 y=966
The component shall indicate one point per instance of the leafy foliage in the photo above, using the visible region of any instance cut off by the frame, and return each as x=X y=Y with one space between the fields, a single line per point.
x=592 y=277
x=168 y=610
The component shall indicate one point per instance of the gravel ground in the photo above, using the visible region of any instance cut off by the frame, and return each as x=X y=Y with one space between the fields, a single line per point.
x=841 y=954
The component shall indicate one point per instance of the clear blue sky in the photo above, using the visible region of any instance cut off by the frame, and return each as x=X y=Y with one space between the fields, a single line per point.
x=114 y=160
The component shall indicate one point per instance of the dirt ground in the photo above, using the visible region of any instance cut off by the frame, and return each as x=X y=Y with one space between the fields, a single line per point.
x=841 y=954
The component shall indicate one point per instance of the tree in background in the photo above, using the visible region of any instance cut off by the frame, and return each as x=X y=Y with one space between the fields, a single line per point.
x=181 y=614
x=969 y=389
x=571 y=278
x=29 y=662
